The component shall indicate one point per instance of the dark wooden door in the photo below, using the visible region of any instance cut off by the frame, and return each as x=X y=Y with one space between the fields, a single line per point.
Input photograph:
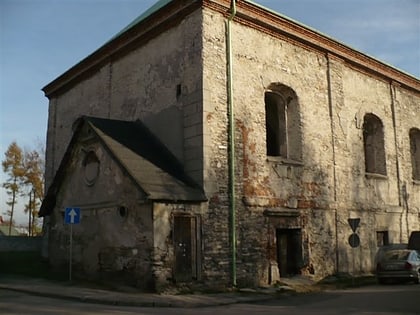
x=184 y=245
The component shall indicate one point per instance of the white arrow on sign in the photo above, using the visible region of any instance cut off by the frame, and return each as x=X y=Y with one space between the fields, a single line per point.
x=72 y=214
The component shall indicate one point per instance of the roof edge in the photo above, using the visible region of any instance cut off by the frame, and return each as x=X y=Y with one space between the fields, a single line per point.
x=273 y=23
x=161 y=16
x=155 y=20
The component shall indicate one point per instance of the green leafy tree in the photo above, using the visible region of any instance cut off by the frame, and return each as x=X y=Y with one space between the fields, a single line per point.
x=14 y=168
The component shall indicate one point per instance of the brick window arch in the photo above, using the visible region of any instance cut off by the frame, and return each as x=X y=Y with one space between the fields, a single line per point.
x=282 y=121
x=374 y=145
x=415 y=152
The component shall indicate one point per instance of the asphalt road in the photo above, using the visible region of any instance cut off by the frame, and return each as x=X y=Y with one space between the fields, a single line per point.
x=371 y=300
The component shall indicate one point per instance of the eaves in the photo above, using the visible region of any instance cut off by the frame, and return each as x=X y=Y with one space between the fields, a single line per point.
x=277 y=25
x=134 y=35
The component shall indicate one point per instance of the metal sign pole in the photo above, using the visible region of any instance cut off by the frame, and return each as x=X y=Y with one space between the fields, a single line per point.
x=354 y=241
x=354 y=268
x=71 y=250
x=71 y=216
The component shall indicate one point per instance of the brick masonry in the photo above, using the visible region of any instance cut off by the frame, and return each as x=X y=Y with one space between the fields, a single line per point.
x=176 y=82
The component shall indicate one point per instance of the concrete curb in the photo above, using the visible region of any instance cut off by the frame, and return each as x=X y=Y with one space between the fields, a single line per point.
x=87 y=295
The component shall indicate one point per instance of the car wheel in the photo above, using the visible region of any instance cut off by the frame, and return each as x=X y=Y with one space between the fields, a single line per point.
x=417 y=280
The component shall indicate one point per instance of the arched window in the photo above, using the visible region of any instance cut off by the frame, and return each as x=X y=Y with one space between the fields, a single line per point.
x=282 y=121
x=374 y=145
x=415 y=152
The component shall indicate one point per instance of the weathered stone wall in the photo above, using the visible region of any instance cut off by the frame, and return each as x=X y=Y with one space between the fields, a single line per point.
x=164 y=247
x=216 y=243
x=329 y=185
x=110 y=243
x=177 y=82
x=158 y=82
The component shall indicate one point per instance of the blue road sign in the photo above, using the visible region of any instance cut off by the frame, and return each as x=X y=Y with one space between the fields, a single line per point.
x=72 y=216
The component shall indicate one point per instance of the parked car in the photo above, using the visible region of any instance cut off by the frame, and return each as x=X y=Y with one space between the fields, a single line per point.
x=399 y=265
x=386 y=248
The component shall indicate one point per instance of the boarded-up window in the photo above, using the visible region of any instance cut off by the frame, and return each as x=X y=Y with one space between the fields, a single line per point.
x=415 y=152
x=374 y=145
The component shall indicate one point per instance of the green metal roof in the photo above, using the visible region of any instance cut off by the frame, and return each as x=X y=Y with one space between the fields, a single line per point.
x=154 y=8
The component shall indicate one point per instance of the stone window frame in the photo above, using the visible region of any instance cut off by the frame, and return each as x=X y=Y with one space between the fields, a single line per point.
x=374 y=146
x=283 y=125
x=414 y=135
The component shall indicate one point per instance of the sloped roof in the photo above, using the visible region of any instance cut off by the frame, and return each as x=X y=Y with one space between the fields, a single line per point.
x=148 y=162
x=157 y=6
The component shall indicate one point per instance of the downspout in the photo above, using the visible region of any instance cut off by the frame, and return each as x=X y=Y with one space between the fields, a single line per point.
x=231 y=145
x=402 y=192
x=330 y=110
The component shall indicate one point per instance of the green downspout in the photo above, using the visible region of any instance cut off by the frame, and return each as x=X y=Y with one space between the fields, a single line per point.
x=231 y=140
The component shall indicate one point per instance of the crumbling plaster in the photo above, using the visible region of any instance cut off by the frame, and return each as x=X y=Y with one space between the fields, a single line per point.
x=177 y=82
x=158 y=81
x=108 y=242
x=329 y=185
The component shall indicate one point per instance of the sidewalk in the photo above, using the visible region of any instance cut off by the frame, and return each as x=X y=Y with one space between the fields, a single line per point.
x=65 y=290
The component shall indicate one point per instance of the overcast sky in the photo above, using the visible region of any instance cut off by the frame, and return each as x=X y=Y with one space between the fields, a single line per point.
x=41 y=39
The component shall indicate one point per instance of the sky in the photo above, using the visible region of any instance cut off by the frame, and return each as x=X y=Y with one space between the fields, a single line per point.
x=41 y=39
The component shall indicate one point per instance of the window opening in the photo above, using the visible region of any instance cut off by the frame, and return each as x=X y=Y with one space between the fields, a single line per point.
x=382 y=238
x=415 y=153
x=374 y=145
x=122 y=211
x=282 y=119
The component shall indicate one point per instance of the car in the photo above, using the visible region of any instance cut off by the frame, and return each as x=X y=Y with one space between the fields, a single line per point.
x=399 y=265
x=386 y=248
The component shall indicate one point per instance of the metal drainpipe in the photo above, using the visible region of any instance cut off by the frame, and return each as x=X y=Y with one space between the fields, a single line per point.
x=231 y=139
x=330 y=109
x=402 y=188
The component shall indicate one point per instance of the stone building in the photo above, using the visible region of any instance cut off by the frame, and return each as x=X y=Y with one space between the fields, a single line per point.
x=278 y=133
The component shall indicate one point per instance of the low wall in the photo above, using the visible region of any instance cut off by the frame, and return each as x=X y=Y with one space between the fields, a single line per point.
x=20 y=243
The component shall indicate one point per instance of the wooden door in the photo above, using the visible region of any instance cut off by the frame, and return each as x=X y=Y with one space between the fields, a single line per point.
x=185 y=248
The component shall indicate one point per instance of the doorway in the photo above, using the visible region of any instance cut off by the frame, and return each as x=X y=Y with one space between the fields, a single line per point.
x=289 y=251
x=185 y=248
